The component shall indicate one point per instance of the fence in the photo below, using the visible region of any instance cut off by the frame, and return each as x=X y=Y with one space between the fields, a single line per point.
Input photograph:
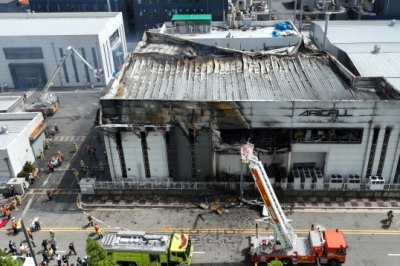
x=236 y=186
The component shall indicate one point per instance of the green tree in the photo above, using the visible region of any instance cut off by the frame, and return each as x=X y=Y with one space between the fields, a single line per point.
x=26 y=170
x=7 y=260
x=97 y=256
x=275 y=262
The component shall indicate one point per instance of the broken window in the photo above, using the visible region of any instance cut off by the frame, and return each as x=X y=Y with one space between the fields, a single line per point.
x=326 y=135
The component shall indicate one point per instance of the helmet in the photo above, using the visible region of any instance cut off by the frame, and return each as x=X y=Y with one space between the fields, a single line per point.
x=96 y=223
x=51 y=230
x=55 y=124
x=12 y=185
x=74 y=143
x=27 y=229
x=85 y=257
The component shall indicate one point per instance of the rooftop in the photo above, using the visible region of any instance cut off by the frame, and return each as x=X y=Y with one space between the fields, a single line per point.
x=6 y=102
x=169 y=68
x=16 y=123
x=358 y=39
x=46 y=24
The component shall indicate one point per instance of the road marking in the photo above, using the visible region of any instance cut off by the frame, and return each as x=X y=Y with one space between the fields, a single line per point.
x=47 y=180
x=199 y=252
x=397 y=255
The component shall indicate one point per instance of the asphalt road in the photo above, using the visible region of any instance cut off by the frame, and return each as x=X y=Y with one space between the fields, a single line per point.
x=370 y=243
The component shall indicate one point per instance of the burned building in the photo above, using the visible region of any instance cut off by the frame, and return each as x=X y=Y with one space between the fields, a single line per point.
x=181 y=110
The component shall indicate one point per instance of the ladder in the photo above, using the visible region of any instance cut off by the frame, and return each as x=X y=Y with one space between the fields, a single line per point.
x=282 y=228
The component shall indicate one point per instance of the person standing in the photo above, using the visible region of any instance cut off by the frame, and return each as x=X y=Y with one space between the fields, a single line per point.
x=8 y=214
x=58 y=100
x=82 y=165
x=52 y=133
x=25 y=99
x=90 y=219
x=31 y=178
x=105 y=155
x=56 y=128
x=45 y=257
x=71 y=248
x=44 y=245
x=49 y=195
x=53 y=236
x=30 y=237
x=14 y=226
x=65 y=260
x=37 y=226
x=53 y=247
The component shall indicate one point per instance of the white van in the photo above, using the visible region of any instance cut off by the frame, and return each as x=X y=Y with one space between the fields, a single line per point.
x=26 y=261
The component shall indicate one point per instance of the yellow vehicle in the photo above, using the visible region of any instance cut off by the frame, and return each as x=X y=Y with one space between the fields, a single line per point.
x=137 y=248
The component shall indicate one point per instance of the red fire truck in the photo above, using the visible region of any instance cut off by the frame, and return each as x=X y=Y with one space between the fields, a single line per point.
x=319 y=246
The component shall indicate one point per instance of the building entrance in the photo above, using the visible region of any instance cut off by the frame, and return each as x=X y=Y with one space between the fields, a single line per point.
x=26 y=76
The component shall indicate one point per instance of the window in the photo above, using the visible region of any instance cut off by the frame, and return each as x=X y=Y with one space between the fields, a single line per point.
x=72 y=8
x=141 y=13
x=106 y=7
x=23 y=53
x=150 y=2
x=64 y=66
x=83 y=8
x=58 y=8
x=39 y=8
x=96 y=65
x=151 y=13
x=175 y=1
x=168 y=1
x=139 y=2
x=47 y=8
x=154 y=258
x=86 y=67
x=196 y=1
x=109 y=60
x=95 y=7
x=75 y=69
x=190 y=1
x=114 y=38
x=372 y=151
x=116 y=5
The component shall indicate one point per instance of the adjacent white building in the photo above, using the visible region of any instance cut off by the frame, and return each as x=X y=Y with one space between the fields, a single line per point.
x=11 y=104
x=21 y=138
x=32 y=44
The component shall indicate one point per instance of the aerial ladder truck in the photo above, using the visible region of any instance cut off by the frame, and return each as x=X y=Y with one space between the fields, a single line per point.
x=47 y=102
x=319 y=246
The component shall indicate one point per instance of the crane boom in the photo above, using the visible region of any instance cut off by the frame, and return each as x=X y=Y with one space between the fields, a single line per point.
x=282 y=228
x=49 y=99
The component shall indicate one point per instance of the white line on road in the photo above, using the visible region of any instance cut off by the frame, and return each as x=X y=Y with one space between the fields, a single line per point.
x=199 y=252
x=397 y=255
x=47 y=180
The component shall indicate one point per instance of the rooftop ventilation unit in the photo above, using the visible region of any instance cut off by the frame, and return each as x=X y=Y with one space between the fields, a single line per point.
x=392 y=23
x=377 y=48
x=4 y=129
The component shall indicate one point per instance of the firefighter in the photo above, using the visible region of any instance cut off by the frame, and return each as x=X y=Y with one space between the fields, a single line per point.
x=47 y=144
x=41 y=154
x=52 y=132
x=14 y=204
x=51 y=166
x=82 y=165
x=96 y=226
x=90 y=220
x=86 y=169
x=14 y=226
x=18 y=199
x=59 y=160
x=389 y=218
x=101 y=167
x=35 y=176
x=75 y=147
x=76 y=173
x=8 y=214
x=98 y=230
x=4 y=209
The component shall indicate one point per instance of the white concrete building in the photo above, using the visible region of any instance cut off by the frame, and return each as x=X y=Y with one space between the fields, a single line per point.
x=11 y=104
x=32 y=44
x=21 y=138
x=366 y=48
x=181 y=111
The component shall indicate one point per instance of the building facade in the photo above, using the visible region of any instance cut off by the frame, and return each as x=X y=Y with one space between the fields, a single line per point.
x=21 y=138
x=183 y=112
x=33 y=44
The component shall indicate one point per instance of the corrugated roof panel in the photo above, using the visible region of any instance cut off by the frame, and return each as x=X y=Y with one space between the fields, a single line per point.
x=7 y=101
x=377 y=65
x=395 y=82
x=368 y=48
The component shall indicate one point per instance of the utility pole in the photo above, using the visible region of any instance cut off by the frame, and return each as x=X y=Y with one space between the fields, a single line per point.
x=25 y=233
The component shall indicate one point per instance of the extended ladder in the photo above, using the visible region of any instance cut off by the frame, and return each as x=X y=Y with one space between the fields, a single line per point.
x=282 y=228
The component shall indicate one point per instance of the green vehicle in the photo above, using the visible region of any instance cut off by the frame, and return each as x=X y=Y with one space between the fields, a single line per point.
x=137 y=248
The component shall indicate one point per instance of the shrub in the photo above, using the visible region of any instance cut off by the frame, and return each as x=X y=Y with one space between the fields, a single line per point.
x=26 y=170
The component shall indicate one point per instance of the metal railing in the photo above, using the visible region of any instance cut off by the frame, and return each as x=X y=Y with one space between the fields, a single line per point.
x=236 y=185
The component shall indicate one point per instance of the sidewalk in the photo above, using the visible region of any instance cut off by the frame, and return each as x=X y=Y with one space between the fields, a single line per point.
x=128 y=201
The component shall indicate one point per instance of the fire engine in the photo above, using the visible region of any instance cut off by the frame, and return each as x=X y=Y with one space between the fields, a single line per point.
x=137 y=248
x=319 y=246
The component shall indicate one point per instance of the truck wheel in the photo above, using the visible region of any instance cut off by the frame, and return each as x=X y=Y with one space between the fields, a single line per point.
x=286 y=261
x=333 y=263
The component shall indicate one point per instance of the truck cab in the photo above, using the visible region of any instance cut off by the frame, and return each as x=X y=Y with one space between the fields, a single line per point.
x=181 y=249
x=335 y=247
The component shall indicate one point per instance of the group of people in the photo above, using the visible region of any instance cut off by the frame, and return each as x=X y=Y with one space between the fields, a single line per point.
x=55 y=161
x=96 y=226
